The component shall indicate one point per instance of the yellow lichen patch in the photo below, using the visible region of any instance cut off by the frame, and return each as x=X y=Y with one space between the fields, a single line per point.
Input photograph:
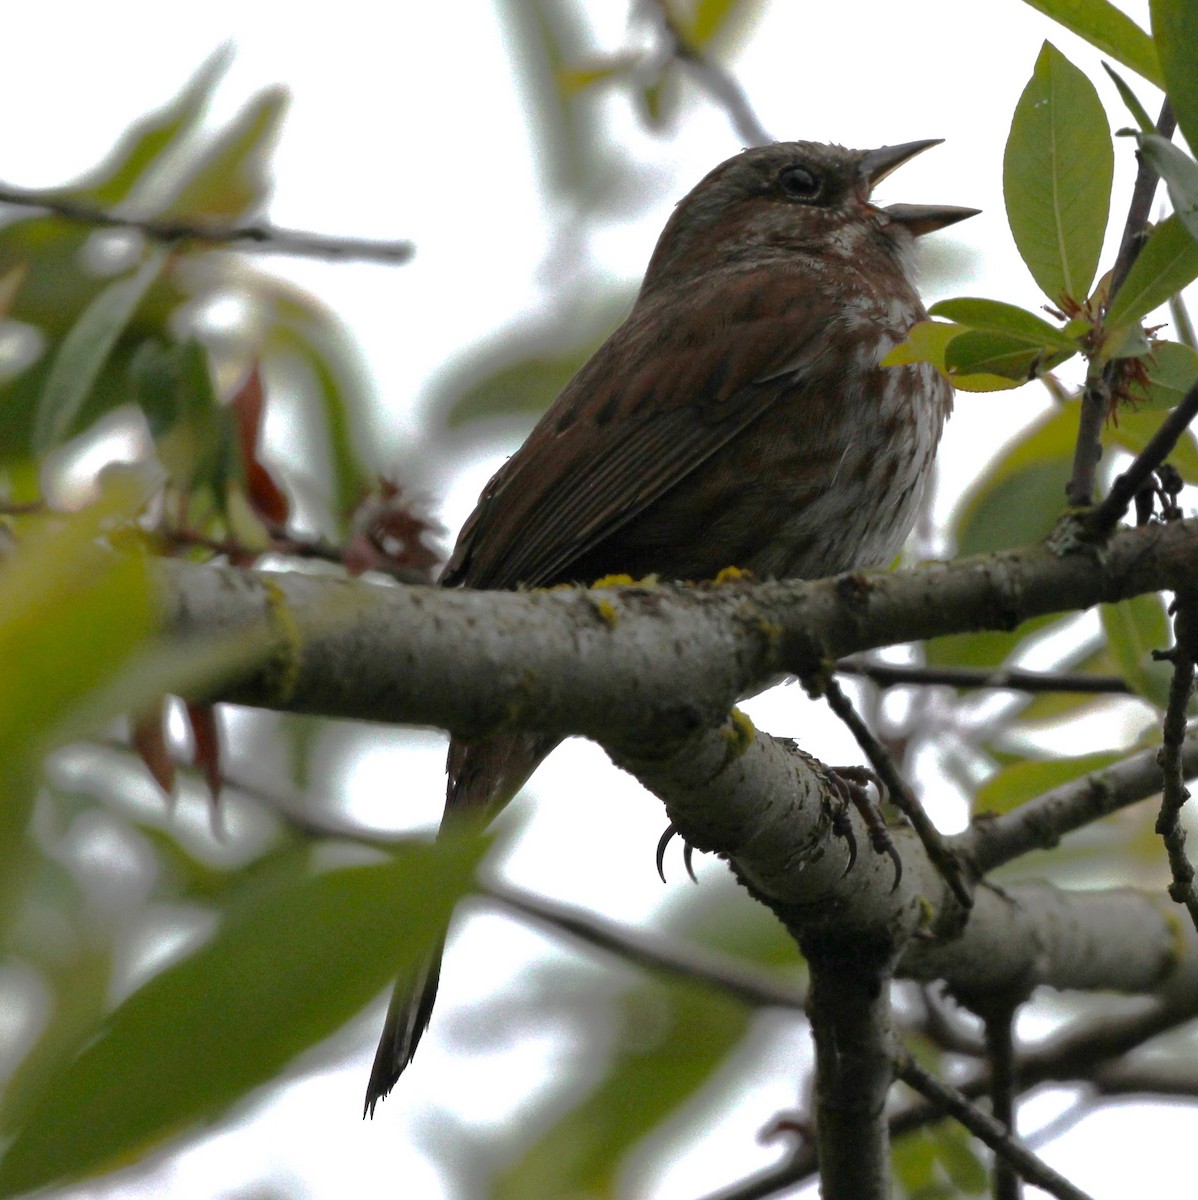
x=286 y=659
x=739 y=733
x=733 y=575
x=610 y=581
x=607 y=613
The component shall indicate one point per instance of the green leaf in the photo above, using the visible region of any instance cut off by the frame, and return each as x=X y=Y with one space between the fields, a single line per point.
x=1015 y=503
x=1135 y=429
x=997 y=317
x=1023 y=781
x=1168 y=262
x=1135 y=628
x=926 y=341
x=1172 y=370
x=72 y=614
x=1180 y=173
x=229 y=179
x=280 y=974
x=1057 y=173
x=1138 y=111
x=1112 y=31
x=85 y=349
x=955 y=1150
x=143 y=145
x=979 y=351
x=1175 y=30
x=1054 y=706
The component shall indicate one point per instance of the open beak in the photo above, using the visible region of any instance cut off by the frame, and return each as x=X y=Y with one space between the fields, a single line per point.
x=875 y=165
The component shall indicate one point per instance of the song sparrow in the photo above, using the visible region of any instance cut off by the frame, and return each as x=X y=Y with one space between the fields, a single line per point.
x=738 y=417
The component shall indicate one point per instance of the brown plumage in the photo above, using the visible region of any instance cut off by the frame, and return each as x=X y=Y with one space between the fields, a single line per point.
x=738 y=417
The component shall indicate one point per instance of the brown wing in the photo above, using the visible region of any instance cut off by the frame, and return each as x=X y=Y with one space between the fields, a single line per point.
x=677 y=380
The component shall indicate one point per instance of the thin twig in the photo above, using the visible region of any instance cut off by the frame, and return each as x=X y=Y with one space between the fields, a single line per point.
x=1174 y=793
x=694 y=963
x=720 y=83
x=1097 y=394
x=983 y=1126
x=1081 y=1053
x=261 y=237
x=1107 y=515
x=1013 y=679
x=938 y=850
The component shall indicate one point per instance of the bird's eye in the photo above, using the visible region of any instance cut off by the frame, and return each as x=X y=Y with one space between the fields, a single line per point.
x=798 y=183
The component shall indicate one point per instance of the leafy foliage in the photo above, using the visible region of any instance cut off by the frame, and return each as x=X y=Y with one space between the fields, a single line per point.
x=103 y=1084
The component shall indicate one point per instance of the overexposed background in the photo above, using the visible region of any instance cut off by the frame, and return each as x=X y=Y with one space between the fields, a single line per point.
x=407 y=120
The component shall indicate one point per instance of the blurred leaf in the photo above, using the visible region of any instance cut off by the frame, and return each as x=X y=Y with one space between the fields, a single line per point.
x=983 y=382
x=1137 y=110
x=926 y=341
x=1136 y=428
x=85 y=349
x=1112 y=31
x=1023 y=781
x=229 y=178
x=142 y=145
x=1016 y=502
x=1172 y=369
x=1135 y=628
x=578 y=79
x=228 y=1018
x=265 y=497
x=1019 y=498
x=525 y=387
x=914 y=1159
x=313 y=334
x=958 y=1156
x=1175 y=30
x=1057 y=173
x=996 y=317
x=1180 y=173
x=149 y=736
x=677 y=1035
x=544 y=38
x=1168 y=262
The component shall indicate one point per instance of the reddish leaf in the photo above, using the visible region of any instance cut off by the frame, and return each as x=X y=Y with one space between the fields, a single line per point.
x=391 y=533
x=265 y=496
x=205 y=734
x=149 y=738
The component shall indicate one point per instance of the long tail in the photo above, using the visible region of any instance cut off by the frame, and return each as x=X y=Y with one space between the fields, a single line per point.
x=483 y=777
x=408 y=1016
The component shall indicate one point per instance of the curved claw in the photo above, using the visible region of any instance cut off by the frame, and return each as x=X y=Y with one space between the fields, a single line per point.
x=688 y=859
x=843 y=827
x=892 y=851
x=663 y=842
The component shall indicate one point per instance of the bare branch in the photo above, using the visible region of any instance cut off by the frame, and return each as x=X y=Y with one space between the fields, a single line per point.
x=1041 y=823
x=1014 y=679
x=1123 y=491
x=901 y=795
x=1174 y=793
x=696 y=963
x=983 y=1126
x=263 y=238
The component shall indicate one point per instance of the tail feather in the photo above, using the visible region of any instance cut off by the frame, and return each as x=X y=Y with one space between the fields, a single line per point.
x=483 y=776
x=408 y=1016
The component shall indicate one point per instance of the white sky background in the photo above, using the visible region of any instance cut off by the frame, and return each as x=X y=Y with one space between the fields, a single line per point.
x=405 y=122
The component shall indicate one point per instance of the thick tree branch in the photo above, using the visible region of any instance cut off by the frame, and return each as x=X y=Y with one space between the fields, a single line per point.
x=623 y=662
